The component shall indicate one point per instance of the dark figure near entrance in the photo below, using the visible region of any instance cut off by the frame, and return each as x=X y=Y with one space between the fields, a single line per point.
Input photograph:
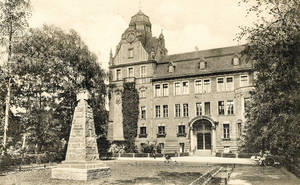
x=168 y=158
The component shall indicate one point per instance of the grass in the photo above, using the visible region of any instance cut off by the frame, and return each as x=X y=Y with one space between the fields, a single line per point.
x=122 y=173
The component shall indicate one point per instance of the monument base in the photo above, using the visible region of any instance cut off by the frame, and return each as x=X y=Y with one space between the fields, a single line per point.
x=80 y=171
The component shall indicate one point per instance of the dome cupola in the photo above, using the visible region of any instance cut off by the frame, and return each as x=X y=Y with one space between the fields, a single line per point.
x=140 y=22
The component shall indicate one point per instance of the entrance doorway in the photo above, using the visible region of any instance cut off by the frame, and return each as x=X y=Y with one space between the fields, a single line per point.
x=203 y=132
x=203 y=141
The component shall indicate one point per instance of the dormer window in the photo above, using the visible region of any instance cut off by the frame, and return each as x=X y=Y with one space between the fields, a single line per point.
x=235 y=61
x=171 y=67
x=130 y=53
x=202 y=65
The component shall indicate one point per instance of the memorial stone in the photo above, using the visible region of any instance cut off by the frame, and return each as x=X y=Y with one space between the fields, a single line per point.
x=82 y=158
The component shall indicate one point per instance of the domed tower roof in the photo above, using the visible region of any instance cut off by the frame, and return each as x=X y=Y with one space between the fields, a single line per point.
x=140 y=18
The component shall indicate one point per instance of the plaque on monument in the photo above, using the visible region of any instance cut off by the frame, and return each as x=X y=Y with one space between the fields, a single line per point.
x=82 y=158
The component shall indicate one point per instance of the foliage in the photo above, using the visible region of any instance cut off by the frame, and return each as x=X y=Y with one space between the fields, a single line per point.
x=51 y=66
x=274 y=46
x=150 y=148
x=117 y=148
x=130 y=111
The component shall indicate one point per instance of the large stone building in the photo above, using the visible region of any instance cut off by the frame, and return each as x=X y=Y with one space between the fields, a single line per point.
x=189 y=102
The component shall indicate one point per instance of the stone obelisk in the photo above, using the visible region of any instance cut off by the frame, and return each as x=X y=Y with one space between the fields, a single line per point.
x=82 y=158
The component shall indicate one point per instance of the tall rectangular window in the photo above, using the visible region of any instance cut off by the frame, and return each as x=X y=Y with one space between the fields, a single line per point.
x=185 y=87
x=246 y=104
x=198 y=109
x=198 y=86
x=229 y=84
x=165 y=90
x=143 y=112
x=161 y=146
x=207 y=108
x=143 y=71
x=143 y=131
x=157 y=90
x=239 y=129
x=130 y=72
x=181 y=130
x=220 y=84
x=177 y=110
x=206 y=86
x=161 y=130
x=221 y=108
x=244 y=81
x=157 y=111
x=226 y=131
x=118 y=74
x=165 y=111
x=177 y=88
x=143 y=93
x=130 y=53
x=230 y=109
x=186 y=110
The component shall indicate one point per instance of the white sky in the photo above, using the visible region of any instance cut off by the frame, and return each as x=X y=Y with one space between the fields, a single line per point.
x=185 y=23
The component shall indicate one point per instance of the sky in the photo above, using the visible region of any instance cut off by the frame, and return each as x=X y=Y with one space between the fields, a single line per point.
x=186 y=24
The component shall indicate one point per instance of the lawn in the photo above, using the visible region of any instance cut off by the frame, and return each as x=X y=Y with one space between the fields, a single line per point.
x=122 y=173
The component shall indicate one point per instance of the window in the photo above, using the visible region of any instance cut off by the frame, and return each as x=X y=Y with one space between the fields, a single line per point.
x=198 y=86
x=220 y=84
x=157 y=90
x=143 y=93
x=198 y=109
x=230 y=107
x=181 y=131
x=244 y=80
x=177 y=110
x=185 y=87
x=207 y=108
x=246 y=104
x=221 y=108
x=177 y=88
x=239 y=125
x=236 y=61
x=226 y=131
x=165 y=111
x=186 y=110
x=161 y=146
x=143 y=71
x=157 y=111
x=202 y=65
x=165 y=90
x=206 y=86
x=229 y=84
x=143 y=112
x=130 y=53
x=181 y=146
x=130 y=72
x=161 y=131
x=118 y=74
x=143 y=131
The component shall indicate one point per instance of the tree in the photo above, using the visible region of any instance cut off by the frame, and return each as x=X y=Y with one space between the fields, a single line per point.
x=274 y=46
x=13 y=21
x=51 y=66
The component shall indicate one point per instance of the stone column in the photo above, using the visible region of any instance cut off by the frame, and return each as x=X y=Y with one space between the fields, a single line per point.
x=191 y=140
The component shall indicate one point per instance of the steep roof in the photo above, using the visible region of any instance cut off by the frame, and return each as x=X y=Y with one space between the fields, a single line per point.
x=187 y=64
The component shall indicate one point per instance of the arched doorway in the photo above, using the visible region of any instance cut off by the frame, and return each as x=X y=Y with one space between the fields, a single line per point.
x=202 y=129
x=202 y=136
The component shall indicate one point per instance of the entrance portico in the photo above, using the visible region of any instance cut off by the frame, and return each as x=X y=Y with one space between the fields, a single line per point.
x=203 y=135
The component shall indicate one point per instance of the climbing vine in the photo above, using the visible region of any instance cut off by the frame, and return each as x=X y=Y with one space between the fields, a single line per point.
x=130 y=111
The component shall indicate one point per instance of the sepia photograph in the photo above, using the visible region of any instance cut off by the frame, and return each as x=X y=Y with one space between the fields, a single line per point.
x=150 y=92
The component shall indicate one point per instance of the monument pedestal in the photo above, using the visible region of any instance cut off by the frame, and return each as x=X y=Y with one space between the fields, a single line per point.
x=82 y=159
x=80 y=170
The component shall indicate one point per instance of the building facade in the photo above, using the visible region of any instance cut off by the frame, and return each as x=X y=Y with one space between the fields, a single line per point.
x=189 y=102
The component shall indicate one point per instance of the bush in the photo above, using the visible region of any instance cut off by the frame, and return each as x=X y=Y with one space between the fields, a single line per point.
x=229 y=155
x=246 y=155
x=218 y=154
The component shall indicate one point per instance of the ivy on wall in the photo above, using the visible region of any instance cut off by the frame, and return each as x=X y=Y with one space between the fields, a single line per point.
x=130 y=111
